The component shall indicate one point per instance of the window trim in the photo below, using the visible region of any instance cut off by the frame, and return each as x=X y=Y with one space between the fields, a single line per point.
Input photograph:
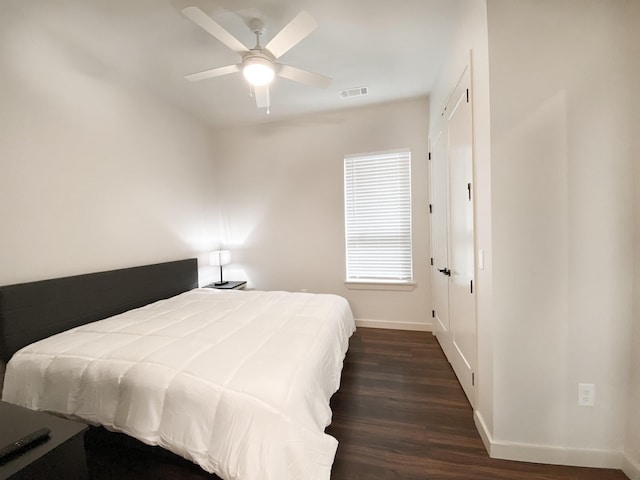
x=400 y=285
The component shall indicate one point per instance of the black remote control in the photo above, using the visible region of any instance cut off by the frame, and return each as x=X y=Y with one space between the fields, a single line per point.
x=23 y=442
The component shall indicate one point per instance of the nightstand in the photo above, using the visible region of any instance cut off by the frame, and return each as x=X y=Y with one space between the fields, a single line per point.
x=60 y=456
x=230 y=285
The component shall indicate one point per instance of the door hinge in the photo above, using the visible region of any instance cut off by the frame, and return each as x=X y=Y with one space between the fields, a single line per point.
x=471 y=285
x=431 y=260
x=473 y=379
x=433 y=313
x=429 y=155
x=430 y=208
x=467 y=95
x=469 y=190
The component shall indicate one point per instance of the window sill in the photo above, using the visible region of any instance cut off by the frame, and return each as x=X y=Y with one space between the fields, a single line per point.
x=372 y=285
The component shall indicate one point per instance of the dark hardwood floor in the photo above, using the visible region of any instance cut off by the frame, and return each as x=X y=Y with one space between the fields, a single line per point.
x=400 y=414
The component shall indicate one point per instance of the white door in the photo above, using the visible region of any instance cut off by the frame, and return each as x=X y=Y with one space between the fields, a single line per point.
x=439 y=176
x=452 y=235
x=462 y=315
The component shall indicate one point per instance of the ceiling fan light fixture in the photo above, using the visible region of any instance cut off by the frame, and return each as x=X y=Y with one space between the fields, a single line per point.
x=258 y=71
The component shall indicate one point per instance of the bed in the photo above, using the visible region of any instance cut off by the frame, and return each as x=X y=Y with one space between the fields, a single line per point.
x=238 y=382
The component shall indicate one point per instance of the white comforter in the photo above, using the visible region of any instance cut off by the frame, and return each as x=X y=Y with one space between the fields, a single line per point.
x=238 y=382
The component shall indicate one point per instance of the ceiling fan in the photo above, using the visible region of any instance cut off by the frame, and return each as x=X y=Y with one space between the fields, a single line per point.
x=259 y=64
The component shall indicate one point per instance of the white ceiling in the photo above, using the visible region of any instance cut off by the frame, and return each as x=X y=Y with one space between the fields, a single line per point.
x=392 y=47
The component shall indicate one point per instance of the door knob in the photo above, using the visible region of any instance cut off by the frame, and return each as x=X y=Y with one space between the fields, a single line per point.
x=446 y=271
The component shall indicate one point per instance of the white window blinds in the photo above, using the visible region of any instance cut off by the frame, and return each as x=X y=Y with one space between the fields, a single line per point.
x=378 y=217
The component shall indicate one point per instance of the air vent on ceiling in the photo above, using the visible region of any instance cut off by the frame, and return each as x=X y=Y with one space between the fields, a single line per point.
x=353 y=92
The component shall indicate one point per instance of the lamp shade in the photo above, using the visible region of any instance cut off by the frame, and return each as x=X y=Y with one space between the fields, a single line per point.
x=220 y=257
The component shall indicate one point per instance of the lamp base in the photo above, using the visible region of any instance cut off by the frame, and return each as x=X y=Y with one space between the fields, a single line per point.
x=217 y=284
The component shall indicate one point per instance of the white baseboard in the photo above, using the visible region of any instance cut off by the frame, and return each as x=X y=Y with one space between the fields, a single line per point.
x=420 y=327
x=481 y=426
x=553 y=455
x=630 y=468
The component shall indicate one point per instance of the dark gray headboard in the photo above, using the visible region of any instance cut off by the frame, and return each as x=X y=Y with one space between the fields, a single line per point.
x=36 y=310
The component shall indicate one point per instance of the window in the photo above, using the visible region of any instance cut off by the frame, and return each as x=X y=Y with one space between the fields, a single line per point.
x=378 y=217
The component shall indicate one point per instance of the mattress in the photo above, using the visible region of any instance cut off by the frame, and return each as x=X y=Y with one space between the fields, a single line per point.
x=237 y=382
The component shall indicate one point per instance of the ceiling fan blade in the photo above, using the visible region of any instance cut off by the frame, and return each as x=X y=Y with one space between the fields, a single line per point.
x=208 y=24
x=213 y=72
x=303 y=76
x=262 y=96
x=297 y=29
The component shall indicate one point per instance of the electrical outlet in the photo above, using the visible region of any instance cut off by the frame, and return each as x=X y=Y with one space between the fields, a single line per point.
x=586 y=394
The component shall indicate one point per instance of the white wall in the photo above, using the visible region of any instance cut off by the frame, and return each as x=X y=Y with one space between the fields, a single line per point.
x=562 y=181
x=632 y=444
x=283 y=210
x=94 y=174
x=471 y=45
